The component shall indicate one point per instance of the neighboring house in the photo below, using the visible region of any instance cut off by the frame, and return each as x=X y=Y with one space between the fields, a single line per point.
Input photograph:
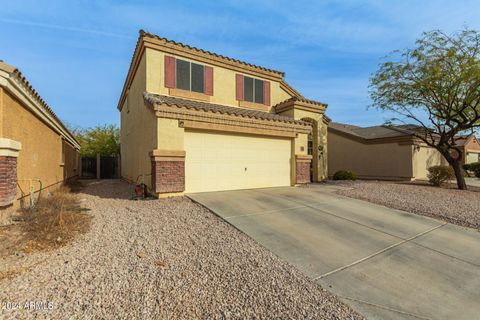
x=196 y=121
x=34 y=144
x=470 y=147
x=380 y=152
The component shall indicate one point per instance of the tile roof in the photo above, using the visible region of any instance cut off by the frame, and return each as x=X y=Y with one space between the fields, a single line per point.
x=143 y=33
x=460 y=141
x=375 y=132
x=217 y=108
x=16 y=72
x=302 y=99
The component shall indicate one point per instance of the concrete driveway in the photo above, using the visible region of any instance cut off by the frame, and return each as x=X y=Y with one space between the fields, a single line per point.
x=385 y=263
x=473 y=182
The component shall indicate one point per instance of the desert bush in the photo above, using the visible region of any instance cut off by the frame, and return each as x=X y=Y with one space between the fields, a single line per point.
x=477 y=173
x=55 y=221
x=344 y=175
x=439 y=175
x=471 y=166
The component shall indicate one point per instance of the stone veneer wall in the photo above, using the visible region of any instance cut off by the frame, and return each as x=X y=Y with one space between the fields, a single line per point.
x=168 y=176
x=8 y=180
x=302 y=170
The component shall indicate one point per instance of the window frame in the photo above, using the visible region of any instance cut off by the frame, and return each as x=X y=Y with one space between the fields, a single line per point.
x=254 y=82
x=190 y=77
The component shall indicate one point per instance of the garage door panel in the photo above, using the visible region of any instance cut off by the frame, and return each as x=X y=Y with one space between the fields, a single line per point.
x=228 y=162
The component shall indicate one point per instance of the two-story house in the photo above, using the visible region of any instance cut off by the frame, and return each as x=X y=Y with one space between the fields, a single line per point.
x=196 y=121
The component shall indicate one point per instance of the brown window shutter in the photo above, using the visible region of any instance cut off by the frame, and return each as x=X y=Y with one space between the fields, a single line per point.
x=170 y=72
x=208 y=83
x=266 y=93
x=239 y=87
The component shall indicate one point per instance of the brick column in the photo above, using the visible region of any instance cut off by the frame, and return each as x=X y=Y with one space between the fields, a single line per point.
x=168 y=171
x=9 y=150
x=302 y=168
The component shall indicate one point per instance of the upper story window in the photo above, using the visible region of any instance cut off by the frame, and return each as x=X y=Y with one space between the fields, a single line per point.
x=190 y=76
x=252 y=90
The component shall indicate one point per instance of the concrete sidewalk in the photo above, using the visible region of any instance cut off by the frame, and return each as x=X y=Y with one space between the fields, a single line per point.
x=473 y=182
x=385 y=263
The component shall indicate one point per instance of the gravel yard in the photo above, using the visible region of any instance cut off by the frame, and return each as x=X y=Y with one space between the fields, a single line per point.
x=451 y=205
x=160 y=259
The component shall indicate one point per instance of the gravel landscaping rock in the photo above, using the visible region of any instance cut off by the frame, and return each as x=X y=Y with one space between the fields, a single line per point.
x=452 y=205
x=167 y=258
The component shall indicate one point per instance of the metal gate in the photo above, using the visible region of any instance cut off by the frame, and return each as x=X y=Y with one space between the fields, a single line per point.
x=101 y=167
x=89 y=167
x=109 y=167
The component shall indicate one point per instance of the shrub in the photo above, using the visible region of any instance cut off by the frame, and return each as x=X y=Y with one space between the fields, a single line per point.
x=439 y=175
x=472 y=166
x=477 y=173
x=344 y=175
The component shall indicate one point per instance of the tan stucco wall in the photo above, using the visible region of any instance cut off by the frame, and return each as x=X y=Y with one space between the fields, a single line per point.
x=41 y=153
x=138 y=130
x=472 y=151
x=374 y=161
x=223 y=81
x=423 y=158
x=320 y=163
x=390 y=161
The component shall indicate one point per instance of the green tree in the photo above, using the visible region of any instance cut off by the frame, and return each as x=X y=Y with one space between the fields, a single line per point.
x=102 y=139
x=436 y=85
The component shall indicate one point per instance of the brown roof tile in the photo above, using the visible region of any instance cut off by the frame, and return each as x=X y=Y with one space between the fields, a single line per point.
x=151 y=35
x=211 y=107
x=375 y=132
x=302 y=99
x=15 y=71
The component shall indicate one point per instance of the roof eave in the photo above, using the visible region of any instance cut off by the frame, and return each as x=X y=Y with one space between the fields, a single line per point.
x=15 y=81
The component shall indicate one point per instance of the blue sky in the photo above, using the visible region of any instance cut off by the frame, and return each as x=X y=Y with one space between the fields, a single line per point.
x=77 y=53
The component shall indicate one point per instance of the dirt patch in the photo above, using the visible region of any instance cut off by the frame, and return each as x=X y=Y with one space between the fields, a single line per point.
x=54 y=222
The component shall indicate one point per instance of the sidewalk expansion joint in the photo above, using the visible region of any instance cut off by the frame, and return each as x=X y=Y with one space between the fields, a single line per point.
x=386 y=308
x=264 y=212
x=317 y=208
x=379 y=252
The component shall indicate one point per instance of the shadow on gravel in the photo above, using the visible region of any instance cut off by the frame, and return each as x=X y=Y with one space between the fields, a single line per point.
x=108 y=188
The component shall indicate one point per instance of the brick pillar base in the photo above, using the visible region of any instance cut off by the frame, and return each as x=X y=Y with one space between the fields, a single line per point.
x=9 y=151
x=168 y=171
x=302 y=172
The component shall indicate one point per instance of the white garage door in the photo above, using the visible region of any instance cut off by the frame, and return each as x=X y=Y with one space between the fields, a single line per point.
x=472 y=157
x=217 y=162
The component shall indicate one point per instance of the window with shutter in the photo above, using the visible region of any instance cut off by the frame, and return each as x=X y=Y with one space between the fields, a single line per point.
x=208 y=80
x=193 y=77
x=183 y=74
x=253 y=90
x=198 y=77
x=239 y=87
x=258 y=89
x=248 y=89
x=170 y=72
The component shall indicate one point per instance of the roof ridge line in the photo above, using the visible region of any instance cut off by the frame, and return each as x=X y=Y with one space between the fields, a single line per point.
x=16 y=72
x=142 y=33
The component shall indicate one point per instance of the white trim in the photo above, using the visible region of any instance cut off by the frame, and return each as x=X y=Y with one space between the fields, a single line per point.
x=9 y=147
x=16 y=87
